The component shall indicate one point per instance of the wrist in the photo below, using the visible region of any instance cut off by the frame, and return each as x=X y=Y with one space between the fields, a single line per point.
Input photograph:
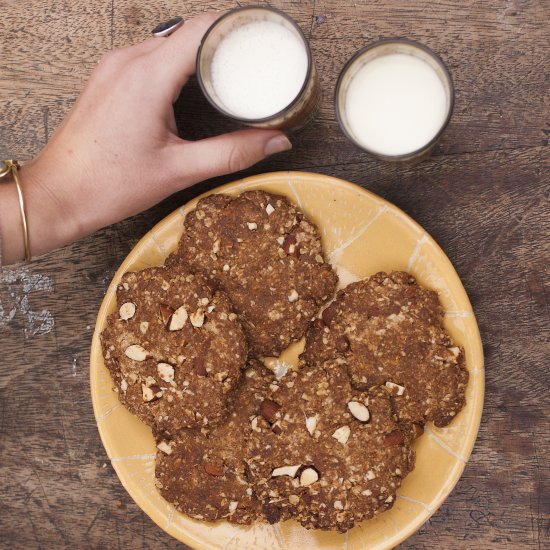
x=51 y=222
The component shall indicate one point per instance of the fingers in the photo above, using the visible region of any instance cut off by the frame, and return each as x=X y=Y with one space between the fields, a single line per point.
x=198 y=160
x=167 y=61
x=176 y=58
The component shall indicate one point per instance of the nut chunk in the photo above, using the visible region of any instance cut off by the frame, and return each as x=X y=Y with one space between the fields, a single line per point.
x=174 y=365
x=267 y=256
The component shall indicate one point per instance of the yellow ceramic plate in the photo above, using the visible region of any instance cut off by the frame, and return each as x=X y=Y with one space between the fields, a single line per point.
x=362 y=234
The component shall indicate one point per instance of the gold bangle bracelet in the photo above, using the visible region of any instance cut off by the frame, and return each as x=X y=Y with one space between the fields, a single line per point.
x=12 y=166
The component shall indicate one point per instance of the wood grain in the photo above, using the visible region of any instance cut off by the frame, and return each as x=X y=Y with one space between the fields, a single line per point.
x=483 y=195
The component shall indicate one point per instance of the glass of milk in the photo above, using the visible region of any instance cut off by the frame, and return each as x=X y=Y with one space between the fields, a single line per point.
x=394 y=98
x=254 y=65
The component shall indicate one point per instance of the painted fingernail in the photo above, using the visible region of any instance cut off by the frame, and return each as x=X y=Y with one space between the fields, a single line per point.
x=278 y=144
x=168 y=27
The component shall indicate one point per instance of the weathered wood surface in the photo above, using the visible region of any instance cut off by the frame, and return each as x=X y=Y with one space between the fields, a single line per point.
x=483 y=195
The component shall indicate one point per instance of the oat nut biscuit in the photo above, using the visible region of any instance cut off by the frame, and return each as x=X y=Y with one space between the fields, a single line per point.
x=337 y=455
x=387 y=331
x=204 y=473
x=267 y=256
x=175 y=349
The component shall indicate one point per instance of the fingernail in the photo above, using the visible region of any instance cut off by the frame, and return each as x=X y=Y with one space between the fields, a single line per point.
x=277 y=144
x=168 y=27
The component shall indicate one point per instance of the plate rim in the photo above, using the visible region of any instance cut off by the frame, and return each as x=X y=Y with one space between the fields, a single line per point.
x=240 y=185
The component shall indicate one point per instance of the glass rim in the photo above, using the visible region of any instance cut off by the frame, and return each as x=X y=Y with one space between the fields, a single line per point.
x=279 y=113
x=414 y=44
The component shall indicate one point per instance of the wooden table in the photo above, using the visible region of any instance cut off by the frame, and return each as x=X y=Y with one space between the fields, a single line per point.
x=483 y=195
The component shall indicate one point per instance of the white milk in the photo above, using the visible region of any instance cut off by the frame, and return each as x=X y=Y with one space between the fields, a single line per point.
x=258 y=69
x=395 y=104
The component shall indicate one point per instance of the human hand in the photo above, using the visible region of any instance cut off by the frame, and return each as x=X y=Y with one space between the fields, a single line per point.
x=117 y=152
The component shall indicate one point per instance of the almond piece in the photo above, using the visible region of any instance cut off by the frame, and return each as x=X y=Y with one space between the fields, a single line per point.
x=216 y=246
x=268 y=409
x=395 y=388
x=127 y=311
x=290 y=245
x=252 y=226
x=293 y=296
x=394 y=438
x=233 y=506
x=165 y=313
x=286 y=471
x=150 y=381
x=197 y=318
x=276 y=428
x=178 y=320
x=199 y=366
x=214 y=468
x=123 y=384
x=136 y=352
x=418 y=430
x=166 y=372
x=269 y=209
x=311 y=424
x=165 y=447
x=342 y=434
x=151 y=393
x=308 y=476
x=254 y=424
x=359 y=411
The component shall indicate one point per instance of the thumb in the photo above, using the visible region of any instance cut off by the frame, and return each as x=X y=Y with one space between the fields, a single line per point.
x=195 y=161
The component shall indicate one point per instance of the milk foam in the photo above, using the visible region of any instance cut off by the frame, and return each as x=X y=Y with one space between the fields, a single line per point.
x=258 y=69
x=395 y=104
